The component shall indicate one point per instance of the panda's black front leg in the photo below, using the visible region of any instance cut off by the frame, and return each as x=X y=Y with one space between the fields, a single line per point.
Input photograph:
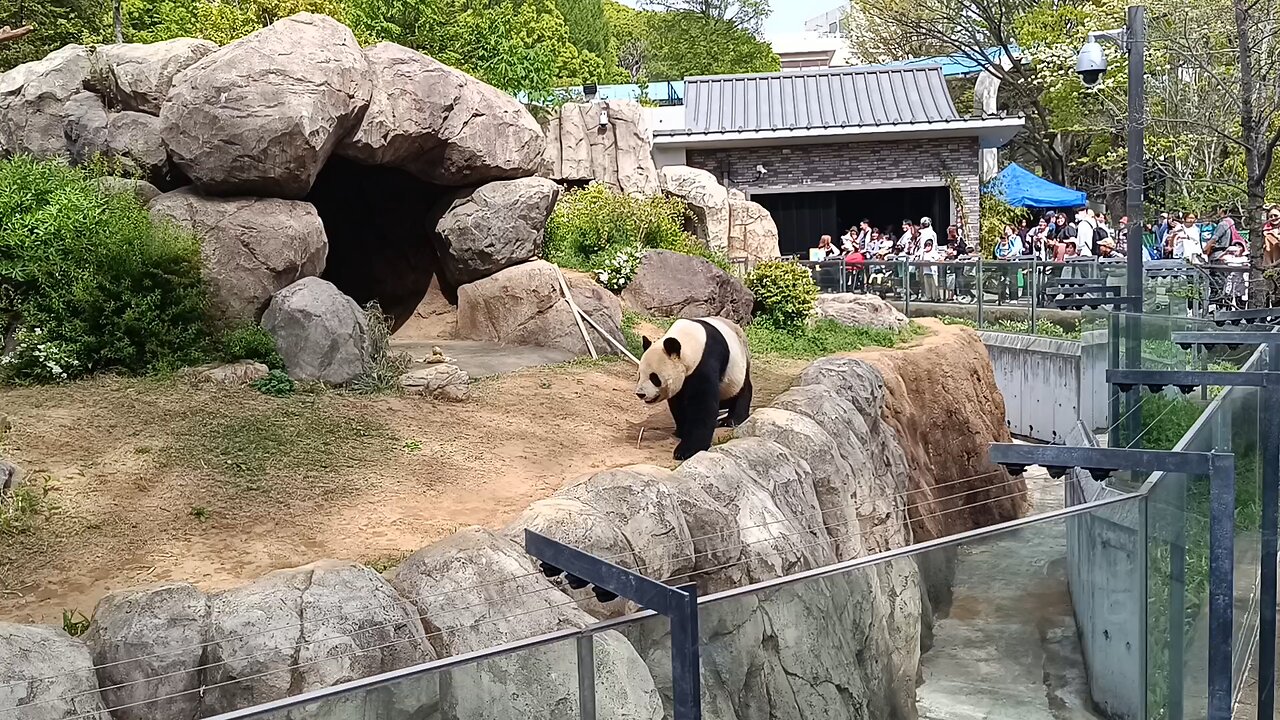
x=700 y=409
x=676 y=406
x=740 y=405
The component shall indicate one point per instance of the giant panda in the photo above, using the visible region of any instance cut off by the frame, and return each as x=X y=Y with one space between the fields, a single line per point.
x=700 y=367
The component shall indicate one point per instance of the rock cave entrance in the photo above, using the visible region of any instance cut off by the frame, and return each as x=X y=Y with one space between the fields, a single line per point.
x=379 y=222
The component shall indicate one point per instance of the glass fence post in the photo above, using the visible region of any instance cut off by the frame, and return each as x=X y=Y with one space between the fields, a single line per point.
x=1269 y=428
x=978 y=289
x=1222 y=512
x=1031 y=291
x=1144 y=567
x=587 y=677
x=906 y=288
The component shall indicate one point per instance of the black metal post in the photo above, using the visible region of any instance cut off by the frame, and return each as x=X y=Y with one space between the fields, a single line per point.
x=1113 y=350
x=1222 y=584
x=686 y=695
x=1135 y=42
x=1269 y=447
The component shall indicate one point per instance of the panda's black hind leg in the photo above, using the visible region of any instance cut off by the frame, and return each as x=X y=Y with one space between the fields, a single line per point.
x=739 y=406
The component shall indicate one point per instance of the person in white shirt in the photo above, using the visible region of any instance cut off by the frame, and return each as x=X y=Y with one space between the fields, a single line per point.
x=1086 y=223
x=1192 y=249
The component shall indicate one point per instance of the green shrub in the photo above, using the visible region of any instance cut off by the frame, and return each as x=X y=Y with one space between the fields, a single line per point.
x=824 y=337
x=785 y=294
x=91 y=282
x=277 y=383
x=251 y=342
x=597 y=230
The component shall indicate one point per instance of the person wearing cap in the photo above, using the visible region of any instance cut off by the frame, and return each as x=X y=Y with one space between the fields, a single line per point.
x=1107 y=249
x=929 y=252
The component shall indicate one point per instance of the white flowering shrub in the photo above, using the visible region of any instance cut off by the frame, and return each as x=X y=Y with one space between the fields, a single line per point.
x=37 y=358
x=617 y=270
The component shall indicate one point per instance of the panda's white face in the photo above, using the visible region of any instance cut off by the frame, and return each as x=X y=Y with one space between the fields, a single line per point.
x=661 y=371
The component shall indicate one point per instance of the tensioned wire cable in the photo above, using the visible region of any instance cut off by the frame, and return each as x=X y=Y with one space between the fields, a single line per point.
x=399 y=602
x=791 y=549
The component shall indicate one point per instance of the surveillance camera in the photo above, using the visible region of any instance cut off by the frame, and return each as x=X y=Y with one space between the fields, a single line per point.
x=760 y=170
x=1091 y=63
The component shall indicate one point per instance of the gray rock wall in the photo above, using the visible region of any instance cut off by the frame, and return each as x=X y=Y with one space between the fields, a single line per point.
x=812 y=480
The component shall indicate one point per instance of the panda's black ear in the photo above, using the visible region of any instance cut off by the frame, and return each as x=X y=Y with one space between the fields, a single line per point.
x=645 y=342
x=672 y=346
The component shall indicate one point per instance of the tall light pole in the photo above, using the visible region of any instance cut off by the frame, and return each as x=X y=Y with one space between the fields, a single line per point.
x=1091 y=63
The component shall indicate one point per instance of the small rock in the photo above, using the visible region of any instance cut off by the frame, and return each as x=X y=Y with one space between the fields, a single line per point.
x=441 y=382
x=11 y=477
x=141 y=189
x=241 y=372
x=859 y=310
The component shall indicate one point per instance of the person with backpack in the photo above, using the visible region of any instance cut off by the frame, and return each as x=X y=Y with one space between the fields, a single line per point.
x=1223 y=236
x=1087 y=235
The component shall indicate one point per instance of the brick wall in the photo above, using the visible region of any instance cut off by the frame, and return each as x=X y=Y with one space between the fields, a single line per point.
x=848 y=166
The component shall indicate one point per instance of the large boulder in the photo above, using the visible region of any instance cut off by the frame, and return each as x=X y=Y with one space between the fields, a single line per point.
x=251 y=247
x=261 y=115
x=861 y=310
x=672 y=284
x=310 y=627
x=33 y=98
x=46 y=674
x=523 y=305
x=753 y=235
x=134 y=138
x=148 y=643
x=479 y=590
x=321 y=333
x=619 y=154
x=707 y=199
x=493 y=227
x=86 y=128
x=441 y=124
x=138 y=76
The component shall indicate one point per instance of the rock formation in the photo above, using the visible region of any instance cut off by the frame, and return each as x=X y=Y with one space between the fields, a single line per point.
x=618 y=153
x=708 y=202
x=493 y=227
x=137 y=76
x=671 y=284
x=262 y=115
x=251 y=247
x=524 y=305
x=753 y=235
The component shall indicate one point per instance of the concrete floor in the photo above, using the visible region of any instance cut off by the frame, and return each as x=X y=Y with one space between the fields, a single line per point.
x=482 y=359
x=1009 y=649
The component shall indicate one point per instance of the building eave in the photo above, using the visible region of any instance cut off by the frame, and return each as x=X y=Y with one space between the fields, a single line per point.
x=990 y=132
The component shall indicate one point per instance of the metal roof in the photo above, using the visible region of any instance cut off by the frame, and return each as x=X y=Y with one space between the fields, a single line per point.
x=831 y=98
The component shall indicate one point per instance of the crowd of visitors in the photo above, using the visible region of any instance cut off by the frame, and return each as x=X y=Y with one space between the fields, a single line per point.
x=873 y=258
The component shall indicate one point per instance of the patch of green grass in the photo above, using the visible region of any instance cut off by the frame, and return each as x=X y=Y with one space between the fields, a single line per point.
x=273 y=449
x=74 y=623
x=812 y=341
x=23 y=509
x=277 y=383
x=200 y=512
x=384 y=367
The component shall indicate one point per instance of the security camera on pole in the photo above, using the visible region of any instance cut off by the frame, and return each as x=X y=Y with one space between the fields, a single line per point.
x=1091 y=64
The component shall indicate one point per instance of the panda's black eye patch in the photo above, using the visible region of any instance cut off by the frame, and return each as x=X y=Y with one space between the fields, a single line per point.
x=653 y=378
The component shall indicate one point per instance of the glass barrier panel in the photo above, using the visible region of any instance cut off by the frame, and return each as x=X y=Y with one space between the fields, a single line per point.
x=539 y=682
x=988 y=626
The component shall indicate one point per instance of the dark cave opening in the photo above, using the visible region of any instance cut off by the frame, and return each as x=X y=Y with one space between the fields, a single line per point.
x=379 y=222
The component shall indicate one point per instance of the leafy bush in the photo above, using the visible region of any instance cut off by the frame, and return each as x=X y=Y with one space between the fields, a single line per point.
x=251 y=342
x=91 y=283
x=785 y=294
x=277 y=383
x=592 y=227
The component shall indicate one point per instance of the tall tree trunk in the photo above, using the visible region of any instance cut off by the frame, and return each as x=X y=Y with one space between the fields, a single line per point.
x=117 y=21
x=1254 y=144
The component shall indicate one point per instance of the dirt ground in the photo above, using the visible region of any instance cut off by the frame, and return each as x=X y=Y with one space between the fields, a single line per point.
x=153 y=481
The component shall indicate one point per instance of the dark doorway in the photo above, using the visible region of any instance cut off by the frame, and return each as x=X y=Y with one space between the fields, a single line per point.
x=379 y=222
x=803 y=217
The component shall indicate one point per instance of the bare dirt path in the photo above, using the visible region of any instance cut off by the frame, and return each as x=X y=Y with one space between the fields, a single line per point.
x=157 y=481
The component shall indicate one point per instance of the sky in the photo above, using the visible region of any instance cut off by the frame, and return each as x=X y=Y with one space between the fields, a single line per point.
x=789 y=15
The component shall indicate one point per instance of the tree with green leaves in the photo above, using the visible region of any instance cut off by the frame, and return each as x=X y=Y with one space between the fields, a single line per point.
x=655 y=45
x=588 y=29
x=747 y=15
x=53 y=23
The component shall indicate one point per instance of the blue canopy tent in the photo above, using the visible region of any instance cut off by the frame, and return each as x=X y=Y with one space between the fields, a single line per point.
x=1021 y=188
